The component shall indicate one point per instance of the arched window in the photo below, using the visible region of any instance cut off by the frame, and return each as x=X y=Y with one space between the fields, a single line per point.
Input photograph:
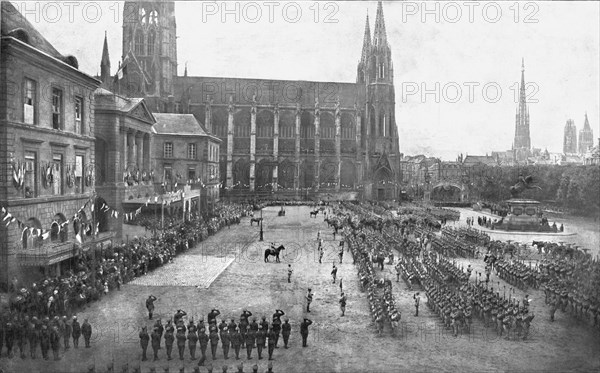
x=154 y=17
x=32 y=234
x=151 y=42
x=382 y=130
x=139 y=43
x=143 y=16
x=54 y=231
x=59 y=230
x=25 y=239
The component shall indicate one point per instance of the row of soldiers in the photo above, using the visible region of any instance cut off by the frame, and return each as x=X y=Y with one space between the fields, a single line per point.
x=233 y=335
x=23 y=332
x=558 y=296
x=209 y=368
x=518 y=274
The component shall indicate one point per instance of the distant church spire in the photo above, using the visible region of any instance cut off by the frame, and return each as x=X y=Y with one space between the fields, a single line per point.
x=366 y=42
x=185 y=71
x=522 y=143
x=105 y=62
x=586 y=136
x=379 y=34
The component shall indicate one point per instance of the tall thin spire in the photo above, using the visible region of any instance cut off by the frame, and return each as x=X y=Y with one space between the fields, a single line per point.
x=522 y=142
x=105 y=61
x=379 y=34
x=366 y=42
x=185 y=70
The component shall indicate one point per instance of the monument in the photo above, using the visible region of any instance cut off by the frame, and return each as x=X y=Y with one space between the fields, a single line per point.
x=524 y=215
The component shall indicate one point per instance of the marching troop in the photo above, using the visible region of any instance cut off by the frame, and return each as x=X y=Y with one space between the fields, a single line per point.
x=233 y=337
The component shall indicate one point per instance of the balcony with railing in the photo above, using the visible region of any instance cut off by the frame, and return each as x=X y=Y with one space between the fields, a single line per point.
x=56 y=252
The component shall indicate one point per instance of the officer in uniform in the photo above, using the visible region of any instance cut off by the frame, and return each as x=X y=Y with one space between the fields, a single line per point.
x=192 y=341
x=214 y=342
x=222 y=325
x=144 y=339
x=304 y=330
x=272 y=338
x=169 y=340
x=249 y=343
x=86 y=330
x=155 y=341
x=180 y=336
x=286 y=330
x=343 y=304
x=260 y=342
x=231 y=326
x=309 y=299
x=277 y=324
x=264 y=324
x=253 y=325
x=158 y=324
x=236 y=341
x=225 y=341
x=334 y=272
x=212 y=315
x=150 y=306
x=203 y=339
x=178 y=316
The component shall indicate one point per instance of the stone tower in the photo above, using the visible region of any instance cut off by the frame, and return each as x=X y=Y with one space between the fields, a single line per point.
x=375 y=77
x=586 y=137
x=570 y=138
x=522 y=143
x=380 y=99
x=150 y=38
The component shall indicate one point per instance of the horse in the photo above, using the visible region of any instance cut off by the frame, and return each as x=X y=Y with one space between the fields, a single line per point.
x=379 y=259
x=257 y=220
x=314 y=213
x=523 y=183
x=273 y=251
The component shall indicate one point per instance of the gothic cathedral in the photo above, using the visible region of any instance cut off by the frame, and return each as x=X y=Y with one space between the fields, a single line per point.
x=291 y=138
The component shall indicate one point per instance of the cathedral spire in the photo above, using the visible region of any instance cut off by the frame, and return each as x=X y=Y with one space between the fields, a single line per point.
x=522 y=142
x=379 y=34
x=586 y=123
x=366 y=42
x=105 y=61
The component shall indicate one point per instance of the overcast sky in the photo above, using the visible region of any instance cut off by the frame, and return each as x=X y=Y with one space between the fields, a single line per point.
x=479 y=47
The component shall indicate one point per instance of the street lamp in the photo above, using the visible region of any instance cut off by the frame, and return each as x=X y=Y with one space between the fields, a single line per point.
x=261 y=225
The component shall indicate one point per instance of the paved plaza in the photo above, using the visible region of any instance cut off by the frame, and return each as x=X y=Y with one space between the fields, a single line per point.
x=227 y=271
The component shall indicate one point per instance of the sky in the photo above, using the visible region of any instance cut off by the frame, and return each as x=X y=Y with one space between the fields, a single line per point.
x=456 y=64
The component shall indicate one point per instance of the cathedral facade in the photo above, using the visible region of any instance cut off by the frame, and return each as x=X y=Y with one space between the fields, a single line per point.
x=278 y=136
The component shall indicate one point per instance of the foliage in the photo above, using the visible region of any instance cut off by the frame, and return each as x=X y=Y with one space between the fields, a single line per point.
x=575 y=188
